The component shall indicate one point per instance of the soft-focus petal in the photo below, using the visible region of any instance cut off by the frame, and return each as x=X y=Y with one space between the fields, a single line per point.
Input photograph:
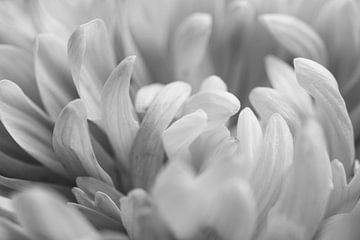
x=146 y=95
x=45 y=216
x=52 y=74
x=296 y=36
x=304 y=195
x=190 y=44
x=28 y=125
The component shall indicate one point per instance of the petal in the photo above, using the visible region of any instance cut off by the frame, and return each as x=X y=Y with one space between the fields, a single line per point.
x=118 y=113
x=232 y=211
x=190 y=44
x=341 y=226
x=16 y=64
x=175 y=196
x=249 y=134
x=304 y=195
x=275 y=158
x=218 y=105
x=146 y=95
x=92 y=185
x=12 y=231
x=282 y=77
x=339 y=192
x=178 y=137
x=72 y=143
x=52 y=74
x=213 y=83
x=28 y=125
x=97 y=219
x=147 y=154
x=321 y=84
x=91 y=61
x=45 y=215
x=268 y=101
x=296 y=36
x=107 y=206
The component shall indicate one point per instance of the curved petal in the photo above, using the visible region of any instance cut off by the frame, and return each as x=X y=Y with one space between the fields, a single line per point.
x=118 y=113
x=296 y=36
x=45 y=215
x=28 y=125
x=91 y=61
x=52 y=74
x=72 y=143
x=304 y=195
x=147 y=153
x=321 y=84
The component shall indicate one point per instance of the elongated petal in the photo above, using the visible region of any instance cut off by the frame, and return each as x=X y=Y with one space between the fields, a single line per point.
x=178 y=137
x=92 y=185
x=147 y=154
x=91 y=60
x=12 y=231
x=190 y=44
x=52 y=74
x=16 y=64
x=118 y=112
x=28 y=125
x=296 y=36
x=282 y=77
x=273 y=163
x=304 y=195
x=146 y=95
x=341 y=226
x=339 y=192
x=107 y=206
x=218 y=105
x=97 y=219
x=249 y=134
x=268 y=101
x=72 y=143
x=320 y=84
x=46 y=216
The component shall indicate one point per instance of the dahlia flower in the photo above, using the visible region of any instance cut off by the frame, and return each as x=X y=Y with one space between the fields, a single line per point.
x=148 y=147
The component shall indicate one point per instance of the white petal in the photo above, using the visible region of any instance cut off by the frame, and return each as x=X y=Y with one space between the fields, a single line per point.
x=218 y=105
x=213 y=83
x=296 y=36
x=268 y=101
x=72 y=143
x=275 y=158
x=28 y=125
x=249 y=134
x=282 y=77
x=146 y=95
x=147 y=153
x=52 y=74
x=46 y=216
x=91 y=61
x=190 y=44
x=118 y=113
x=320 y=84
x=178 y=137
x=304 y=195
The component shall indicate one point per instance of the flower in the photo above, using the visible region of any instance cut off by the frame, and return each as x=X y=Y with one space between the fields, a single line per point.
x=150 y=149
